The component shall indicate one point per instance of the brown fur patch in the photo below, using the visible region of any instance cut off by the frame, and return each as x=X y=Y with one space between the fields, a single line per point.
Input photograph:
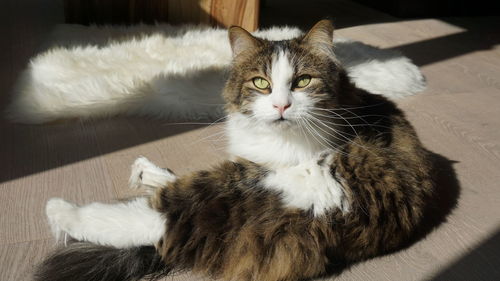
x=224 y=223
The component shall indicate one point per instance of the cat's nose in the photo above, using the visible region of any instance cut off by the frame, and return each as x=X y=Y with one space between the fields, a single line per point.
x=282 y=108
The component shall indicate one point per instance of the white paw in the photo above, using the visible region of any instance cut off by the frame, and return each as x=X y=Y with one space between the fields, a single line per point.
x=61 y=214
x=317 y=167
x=310 y=185
x=326 y=165
x=145 y=173
x=325 y=159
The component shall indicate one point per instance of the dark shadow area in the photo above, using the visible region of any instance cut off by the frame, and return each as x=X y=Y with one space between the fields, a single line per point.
x=305 y=14
x=76 y=35
x=482 y=263
x=480 y=34
x=28 y=149
x=435 y=8
x=132 y=12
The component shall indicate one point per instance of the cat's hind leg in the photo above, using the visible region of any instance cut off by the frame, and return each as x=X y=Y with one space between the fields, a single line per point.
x=122 y=225
x=147 y=175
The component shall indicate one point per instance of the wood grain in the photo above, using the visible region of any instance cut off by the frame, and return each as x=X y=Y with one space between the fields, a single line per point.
x=244 y=13
x=17 y=261
x=224 y=13
x=457 y=117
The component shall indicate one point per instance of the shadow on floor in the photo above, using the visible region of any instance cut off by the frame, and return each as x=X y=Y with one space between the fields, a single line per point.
x=28 y=149
x=344 y=13
x=479 y=34
x=481 y=263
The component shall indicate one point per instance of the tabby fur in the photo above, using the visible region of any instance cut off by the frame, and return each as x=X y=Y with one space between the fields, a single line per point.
x=224 y=222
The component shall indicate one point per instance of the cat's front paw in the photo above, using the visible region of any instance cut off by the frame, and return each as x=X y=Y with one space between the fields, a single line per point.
x=146 y=174
x=326 y=159
x=61 y=214
x=327 y=167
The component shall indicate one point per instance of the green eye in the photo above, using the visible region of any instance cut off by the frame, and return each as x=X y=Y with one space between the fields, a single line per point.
x=260 y=83
x=303 y=81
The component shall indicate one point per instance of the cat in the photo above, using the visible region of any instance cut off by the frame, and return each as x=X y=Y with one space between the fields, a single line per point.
x=322 y=174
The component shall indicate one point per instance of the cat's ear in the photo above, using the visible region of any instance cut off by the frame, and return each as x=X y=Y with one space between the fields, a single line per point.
x=320 y=36
x=241 y=40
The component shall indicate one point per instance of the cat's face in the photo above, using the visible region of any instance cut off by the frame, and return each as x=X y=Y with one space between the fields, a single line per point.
x=281 y=83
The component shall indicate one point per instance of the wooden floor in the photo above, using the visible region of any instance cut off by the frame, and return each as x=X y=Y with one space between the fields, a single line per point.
x=457 y=117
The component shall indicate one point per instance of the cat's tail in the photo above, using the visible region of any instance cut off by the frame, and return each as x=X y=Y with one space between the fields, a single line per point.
x=83 y=261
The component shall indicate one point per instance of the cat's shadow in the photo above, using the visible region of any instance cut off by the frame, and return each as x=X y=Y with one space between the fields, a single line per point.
x=444 y=202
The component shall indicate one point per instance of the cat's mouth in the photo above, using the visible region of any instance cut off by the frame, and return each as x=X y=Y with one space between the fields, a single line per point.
x=282 y=122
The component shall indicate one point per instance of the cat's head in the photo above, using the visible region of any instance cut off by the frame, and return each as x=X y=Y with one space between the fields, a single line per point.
x=278 y=83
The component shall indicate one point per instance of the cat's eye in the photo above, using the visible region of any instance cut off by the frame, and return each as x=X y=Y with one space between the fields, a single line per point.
x=261 y=83
x=303 y=81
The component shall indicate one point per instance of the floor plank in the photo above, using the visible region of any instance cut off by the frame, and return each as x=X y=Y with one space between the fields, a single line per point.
x=17 y=261
x=24 y=199
x=457 y=117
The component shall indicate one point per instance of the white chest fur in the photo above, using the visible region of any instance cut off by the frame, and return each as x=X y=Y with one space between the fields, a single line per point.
x=296 y=173
x=308 y=186
x=267 y=146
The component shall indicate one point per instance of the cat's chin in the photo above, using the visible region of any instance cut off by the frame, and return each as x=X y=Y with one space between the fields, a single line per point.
x=283 y=124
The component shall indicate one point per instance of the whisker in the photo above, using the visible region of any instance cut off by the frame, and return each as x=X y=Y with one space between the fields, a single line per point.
x=355 y=141
x=308 y=128
x=361 y=118
x=330 y=144
x=366 y=122
x=191 y=123
x=212 y=135
x=350 y=125
x=352 y=117
x=359 y=107
x=300 y=122
x=218 y=121
x=205 y=103
x=332 y=135
x=322 y=122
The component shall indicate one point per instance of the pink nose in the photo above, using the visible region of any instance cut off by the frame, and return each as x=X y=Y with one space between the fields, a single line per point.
x=282 y=108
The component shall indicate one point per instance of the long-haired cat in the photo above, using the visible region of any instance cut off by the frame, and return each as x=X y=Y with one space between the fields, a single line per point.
x=323 y=174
